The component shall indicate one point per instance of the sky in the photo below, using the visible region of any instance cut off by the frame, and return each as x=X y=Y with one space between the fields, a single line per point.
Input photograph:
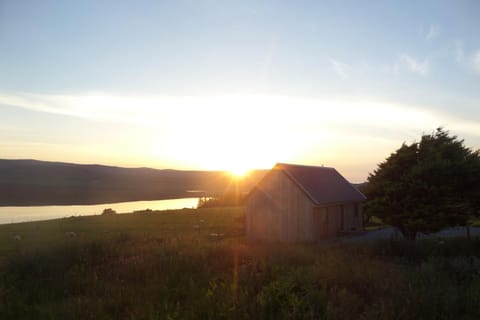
x=235 y=85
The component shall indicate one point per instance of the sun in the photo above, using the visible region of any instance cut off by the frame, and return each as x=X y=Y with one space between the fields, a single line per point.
x=239 y=172
x=236 y=140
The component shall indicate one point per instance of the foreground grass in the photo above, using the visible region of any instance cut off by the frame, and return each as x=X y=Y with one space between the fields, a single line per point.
x=196 y=264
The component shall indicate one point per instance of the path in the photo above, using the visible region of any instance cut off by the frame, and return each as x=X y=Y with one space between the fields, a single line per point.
x=393 y=233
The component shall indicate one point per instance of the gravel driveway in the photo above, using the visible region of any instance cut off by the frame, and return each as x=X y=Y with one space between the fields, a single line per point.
x=393 y=233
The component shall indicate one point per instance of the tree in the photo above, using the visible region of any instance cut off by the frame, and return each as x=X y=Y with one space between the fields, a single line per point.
x=108 y=211
x=426 y=186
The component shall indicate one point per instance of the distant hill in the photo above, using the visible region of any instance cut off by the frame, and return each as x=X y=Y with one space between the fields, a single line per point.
x=360 y=186
x=33 y=182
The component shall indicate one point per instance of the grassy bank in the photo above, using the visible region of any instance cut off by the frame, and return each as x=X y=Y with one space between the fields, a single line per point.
x=196 y=264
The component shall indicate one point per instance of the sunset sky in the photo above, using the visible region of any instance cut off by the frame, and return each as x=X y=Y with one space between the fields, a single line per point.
x=235 y=84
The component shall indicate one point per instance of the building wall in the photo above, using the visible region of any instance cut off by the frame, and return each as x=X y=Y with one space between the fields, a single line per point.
x=353 y=217
x=278 y=210
x=329 y=220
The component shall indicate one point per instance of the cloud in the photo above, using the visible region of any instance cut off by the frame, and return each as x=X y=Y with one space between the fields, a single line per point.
x=414 y=65
x=467 y=59
x=409 y=63
x=391 y=68
x=476 y=61
x=196 y=111
x=459 y=52
x=342 y=69
x=432 y=33
x=178 y=125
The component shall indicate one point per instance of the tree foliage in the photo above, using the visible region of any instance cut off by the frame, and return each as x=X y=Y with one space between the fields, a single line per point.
x=228 y=199
x=426 y=186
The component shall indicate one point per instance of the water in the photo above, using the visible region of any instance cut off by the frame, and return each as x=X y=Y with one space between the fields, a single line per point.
x=35 y=213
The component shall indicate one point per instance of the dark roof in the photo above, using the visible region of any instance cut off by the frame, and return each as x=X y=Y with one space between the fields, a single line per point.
x=321 y=184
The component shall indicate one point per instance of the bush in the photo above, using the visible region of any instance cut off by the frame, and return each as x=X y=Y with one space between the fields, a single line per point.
x=108 y=211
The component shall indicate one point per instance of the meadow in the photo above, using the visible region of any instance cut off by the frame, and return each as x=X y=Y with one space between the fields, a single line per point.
x=197 y=264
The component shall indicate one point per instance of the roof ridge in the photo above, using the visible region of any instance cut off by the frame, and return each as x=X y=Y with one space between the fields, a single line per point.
x=302 y=165
x=292 y=170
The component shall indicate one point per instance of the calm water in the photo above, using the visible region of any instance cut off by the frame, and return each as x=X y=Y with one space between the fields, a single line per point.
x=21 y=214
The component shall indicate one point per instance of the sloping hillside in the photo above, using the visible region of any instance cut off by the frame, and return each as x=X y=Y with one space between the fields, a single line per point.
x=32 y=182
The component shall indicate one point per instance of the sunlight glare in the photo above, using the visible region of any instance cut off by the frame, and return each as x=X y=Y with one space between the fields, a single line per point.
x=255 y=132
x=239 y=172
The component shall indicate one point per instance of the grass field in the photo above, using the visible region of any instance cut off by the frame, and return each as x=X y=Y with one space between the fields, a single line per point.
x=197 y=264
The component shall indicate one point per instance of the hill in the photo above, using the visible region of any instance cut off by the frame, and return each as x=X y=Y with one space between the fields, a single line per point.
x=33 y=182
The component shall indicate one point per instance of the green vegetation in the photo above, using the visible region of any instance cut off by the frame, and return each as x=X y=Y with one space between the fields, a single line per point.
x=374 y=223
x=227 y=199
x=108 y=211
x=426 y=186
x=197 y=264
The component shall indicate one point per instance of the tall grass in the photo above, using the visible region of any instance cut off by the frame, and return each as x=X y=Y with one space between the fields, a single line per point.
x=136 y=274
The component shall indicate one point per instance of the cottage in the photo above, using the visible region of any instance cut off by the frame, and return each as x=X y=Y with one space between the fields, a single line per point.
x=295 y=203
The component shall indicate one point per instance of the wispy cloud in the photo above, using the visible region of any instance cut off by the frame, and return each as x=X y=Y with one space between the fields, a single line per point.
x=459 y=52
x=391 y=68
x=433 y=32
x=170 y=111
x=414 y=65
x=476 y=61
x=466 y=58
x=328 y=122
x=342 y=69
x=408 y=63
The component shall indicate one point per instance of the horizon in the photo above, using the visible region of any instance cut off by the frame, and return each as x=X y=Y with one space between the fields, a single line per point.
x=226 y=86
x=116 y=166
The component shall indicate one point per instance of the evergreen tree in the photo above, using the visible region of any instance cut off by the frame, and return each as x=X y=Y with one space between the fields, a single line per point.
x=426 y=186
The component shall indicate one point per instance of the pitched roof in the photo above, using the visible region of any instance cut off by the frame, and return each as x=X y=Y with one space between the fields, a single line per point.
x=321 y=184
